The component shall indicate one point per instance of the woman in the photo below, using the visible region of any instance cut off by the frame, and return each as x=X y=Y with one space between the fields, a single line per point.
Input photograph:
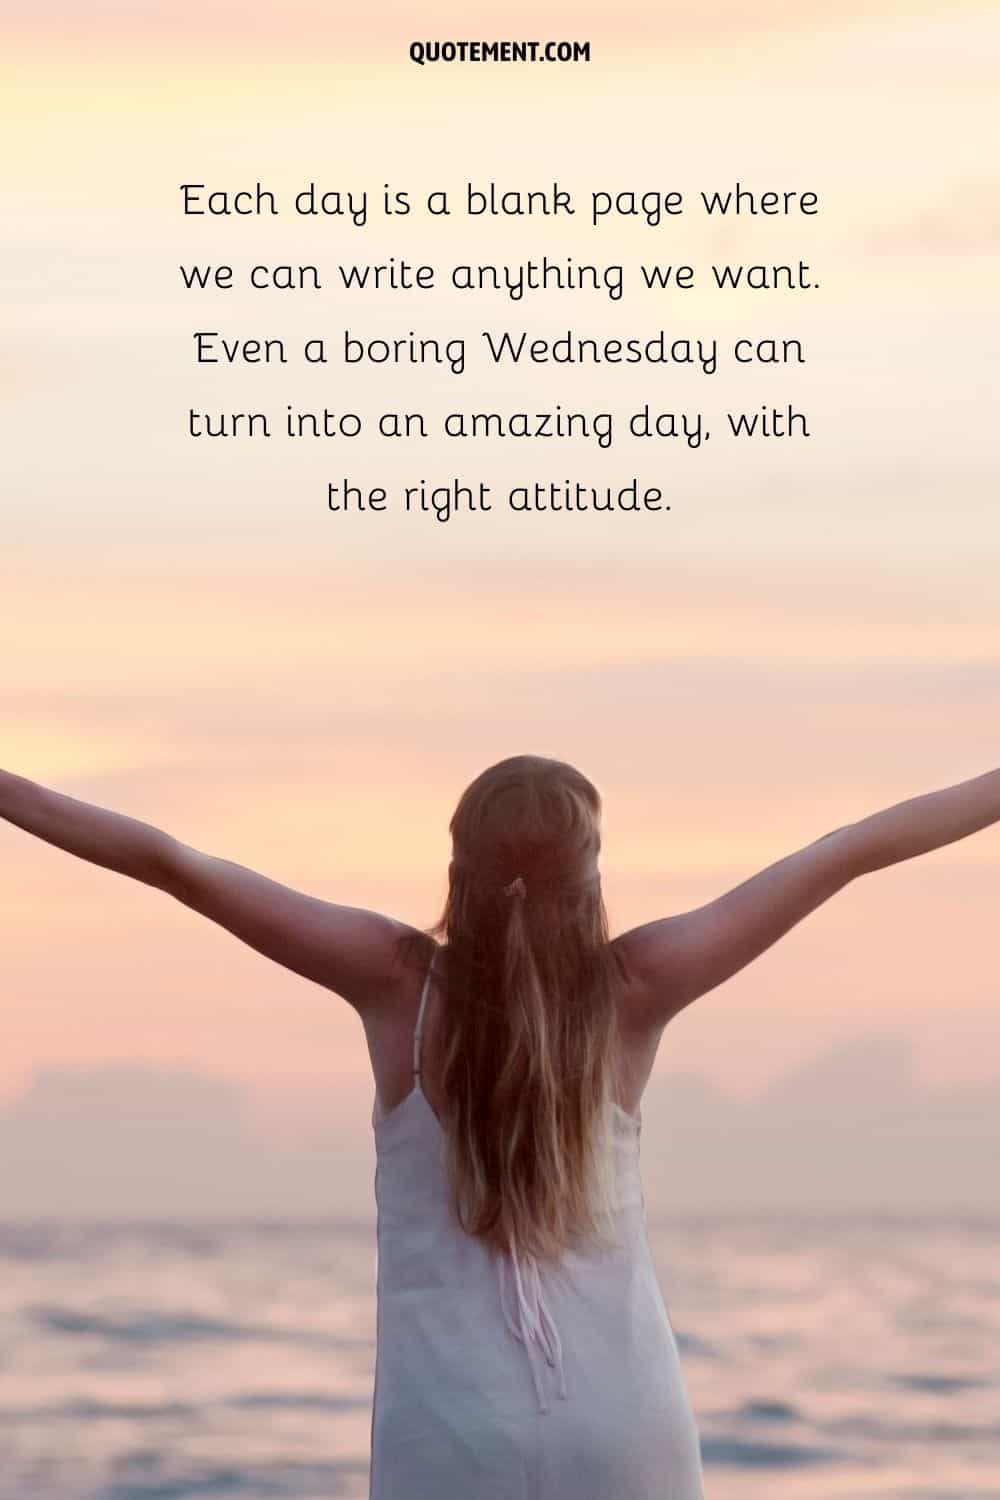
x=524 y=1350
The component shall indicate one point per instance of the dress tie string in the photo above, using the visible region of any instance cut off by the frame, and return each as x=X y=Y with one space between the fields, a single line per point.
x=535 y=1325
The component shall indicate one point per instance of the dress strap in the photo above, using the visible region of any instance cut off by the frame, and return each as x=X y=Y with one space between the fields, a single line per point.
x=418 y=1030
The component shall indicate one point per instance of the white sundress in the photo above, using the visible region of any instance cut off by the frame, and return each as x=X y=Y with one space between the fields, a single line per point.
x=499 y=1379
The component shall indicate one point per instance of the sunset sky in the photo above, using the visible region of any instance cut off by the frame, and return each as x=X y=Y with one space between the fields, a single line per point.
x=190 y=636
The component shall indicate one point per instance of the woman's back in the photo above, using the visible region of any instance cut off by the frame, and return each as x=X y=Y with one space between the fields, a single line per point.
x=499 y=1379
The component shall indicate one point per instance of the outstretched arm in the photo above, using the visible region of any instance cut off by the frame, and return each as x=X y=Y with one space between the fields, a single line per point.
x=673 y=961
x=344 y=948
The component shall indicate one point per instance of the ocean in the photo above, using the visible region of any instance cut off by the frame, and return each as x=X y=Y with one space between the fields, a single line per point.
x=825 y=1355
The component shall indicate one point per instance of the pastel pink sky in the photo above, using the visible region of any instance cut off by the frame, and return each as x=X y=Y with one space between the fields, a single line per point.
x=188 y=635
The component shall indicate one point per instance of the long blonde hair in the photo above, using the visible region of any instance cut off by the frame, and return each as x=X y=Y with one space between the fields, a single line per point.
x=528 y=1030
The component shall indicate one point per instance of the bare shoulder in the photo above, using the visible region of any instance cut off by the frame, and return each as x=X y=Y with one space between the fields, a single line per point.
x=642 y=963
x=674 y=960
x=640 y=1023
x=409 y=954
x=389 y=1024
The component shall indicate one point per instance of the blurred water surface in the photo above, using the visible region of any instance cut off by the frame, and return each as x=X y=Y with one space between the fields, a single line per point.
x=825 y=1357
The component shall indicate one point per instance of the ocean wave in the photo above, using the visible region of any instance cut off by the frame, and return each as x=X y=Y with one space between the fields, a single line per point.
x=745 y=1453
x=940 y=1385
x=297 y=1401
x=691 y=1346
x=769 y=1411
x=84 y=1409
x=894 y=1431
x=154 y=1475
x=149 y=1326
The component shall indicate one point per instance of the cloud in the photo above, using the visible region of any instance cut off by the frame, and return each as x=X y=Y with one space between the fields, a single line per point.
x=147 y=1143
x=851 y=1128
